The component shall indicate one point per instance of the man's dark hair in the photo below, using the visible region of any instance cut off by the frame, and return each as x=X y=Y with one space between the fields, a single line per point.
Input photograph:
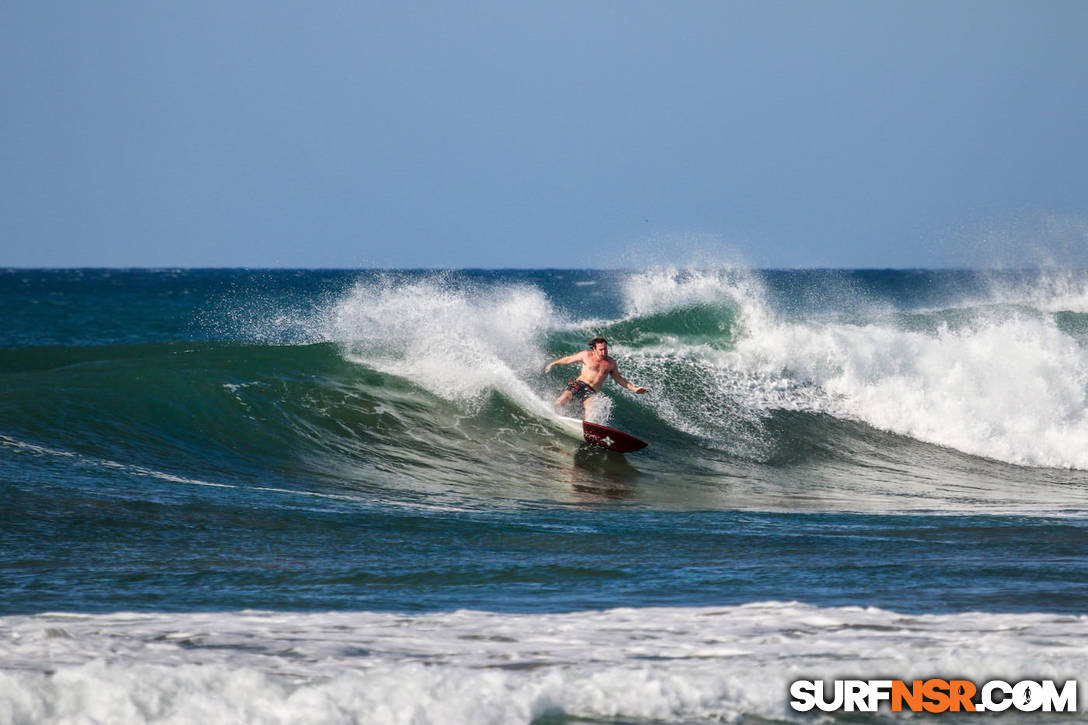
x=594 y=341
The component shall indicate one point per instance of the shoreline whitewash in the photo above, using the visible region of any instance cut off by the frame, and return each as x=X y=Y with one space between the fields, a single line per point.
x=672 y=664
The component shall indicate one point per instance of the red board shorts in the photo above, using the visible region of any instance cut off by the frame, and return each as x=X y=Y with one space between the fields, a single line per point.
x=580 y=390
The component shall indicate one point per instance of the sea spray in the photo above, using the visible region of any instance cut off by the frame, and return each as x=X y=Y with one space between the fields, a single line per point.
x=985 y=373
x=1008 y=386
x=701 y=388
x=459 y=341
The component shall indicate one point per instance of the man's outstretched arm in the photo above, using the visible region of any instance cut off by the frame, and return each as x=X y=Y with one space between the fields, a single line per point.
x=623 y=381
x=566 y=360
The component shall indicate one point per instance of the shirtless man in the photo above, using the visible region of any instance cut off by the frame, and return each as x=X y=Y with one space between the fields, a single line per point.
x=596 y=367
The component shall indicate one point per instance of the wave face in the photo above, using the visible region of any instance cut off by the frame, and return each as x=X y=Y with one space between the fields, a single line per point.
x=749 y=364
x=855 y=446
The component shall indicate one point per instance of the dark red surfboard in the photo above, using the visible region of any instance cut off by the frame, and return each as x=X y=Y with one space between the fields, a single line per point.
x=610 y=438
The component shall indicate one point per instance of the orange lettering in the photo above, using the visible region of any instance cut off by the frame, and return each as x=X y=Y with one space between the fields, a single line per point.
x=912 y=695
x=936 y=691
x=961 y=693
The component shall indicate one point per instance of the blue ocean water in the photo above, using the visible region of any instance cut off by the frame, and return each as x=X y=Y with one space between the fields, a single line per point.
x=344 y=492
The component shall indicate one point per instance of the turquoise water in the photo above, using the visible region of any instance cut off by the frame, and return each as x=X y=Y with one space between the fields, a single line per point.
x=203 y=443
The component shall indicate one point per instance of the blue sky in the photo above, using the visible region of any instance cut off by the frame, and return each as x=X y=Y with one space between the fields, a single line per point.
x=548 y=134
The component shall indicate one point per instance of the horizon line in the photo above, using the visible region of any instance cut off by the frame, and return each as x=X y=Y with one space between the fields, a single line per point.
x=173 y=268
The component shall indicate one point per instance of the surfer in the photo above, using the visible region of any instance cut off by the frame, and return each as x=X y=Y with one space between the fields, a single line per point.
x=596 y=367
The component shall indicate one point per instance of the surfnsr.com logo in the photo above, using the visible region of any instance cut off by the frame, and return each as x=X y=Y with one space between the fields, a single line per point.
x=934 y=695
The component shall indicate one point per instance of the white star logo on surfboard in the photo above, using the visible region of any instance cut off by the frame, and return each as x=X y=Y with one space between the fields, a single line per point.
x=602 y=435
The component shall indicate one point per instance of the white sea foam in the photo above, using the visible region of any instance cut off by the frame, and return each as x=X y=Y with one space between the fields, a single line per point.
x=708 y=664
x=1004 y=384
x=456 y=338
x=458 y=341
x=1013 y=389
